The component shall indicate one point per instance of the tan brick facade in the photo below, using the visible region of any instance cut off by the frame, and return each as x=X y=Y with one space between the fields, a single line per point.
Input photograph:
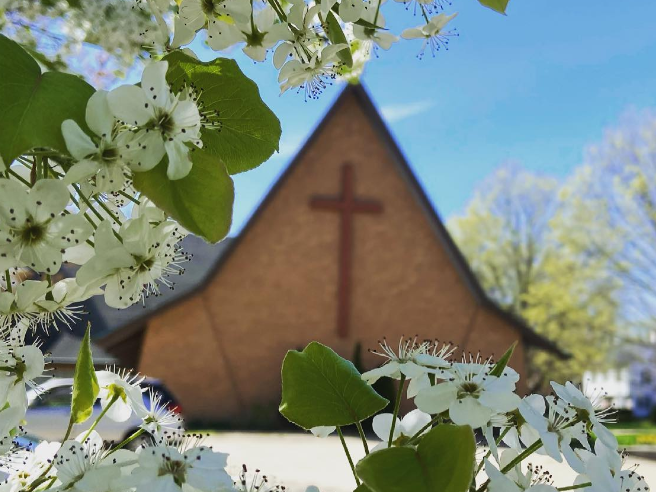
x=220 y=350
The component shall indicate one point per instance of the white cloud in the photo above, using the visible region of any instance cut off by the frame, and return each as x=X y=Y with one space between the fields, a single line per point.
x=397 y=112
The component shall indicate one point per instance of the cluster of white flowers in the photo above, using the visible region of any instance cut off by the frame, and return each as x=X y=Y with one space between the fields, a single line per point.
x=118 y=29
x=90 y=216
x=468 y=393
x=299 y=33
x=167 y=460
x=305 y=50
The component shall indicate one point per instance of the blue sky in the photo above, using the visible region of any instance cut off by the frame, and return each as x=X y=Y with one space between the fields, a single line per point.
x=535 y=86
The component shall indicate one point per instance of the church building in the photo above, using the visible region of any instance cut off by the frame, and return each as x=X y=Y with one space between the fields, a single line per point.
x=346 y=249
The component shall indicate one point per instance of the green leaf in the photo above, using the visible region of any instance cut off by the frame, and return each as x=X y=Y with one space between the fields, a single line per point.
x=442 y=462
x=496 y=5
x=34 y=104
x=201 y=202
x=362 y=488
x=501 y=364
x=337 y=36
x=85 y=383
x=250 y=132
x=321 y=388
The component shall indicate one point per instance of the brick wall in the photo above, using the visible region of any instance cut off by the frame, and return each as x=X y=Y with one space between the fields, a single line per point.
x=220 y=352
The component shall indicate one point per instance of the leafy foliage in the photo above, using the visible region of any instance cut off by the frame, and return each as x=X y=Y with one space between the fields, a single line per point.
x=249 y=132
x=34 y=104
x=320 y=388
x=425 y=469
x=85 y=383
x=201 y=201
x=511 y=233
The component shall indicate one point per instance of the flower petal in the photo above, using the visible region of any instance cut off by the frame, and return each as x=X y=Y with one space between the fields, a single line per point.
x=382 y=425
x=78 y=143
x=129 y=104
x=323 y=430
x=81 y=170
x=98 y=115
x=436 y=399
x=469 y=411
x=14 y=202
x=179 y=160
x=69 y=230
x=48 y=197
x=413 y=422
x=153 y=83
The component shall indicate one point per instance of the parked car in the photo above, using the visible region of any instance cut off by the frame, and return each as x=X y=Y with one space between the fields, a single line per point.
x=49 y=409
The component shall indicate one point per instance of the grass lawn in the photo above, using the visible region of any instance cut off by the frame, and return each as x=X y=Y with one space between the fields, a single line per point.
x=639 y=433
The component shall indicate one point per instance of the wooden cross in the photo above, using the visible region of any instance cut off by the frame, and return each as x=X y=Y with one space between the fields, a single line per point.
x=347 y=205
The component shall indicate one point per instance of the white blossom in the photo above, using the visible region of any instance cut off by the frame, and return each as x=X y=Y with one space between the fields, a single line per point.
x=197 y=13
x=177 y=468
x=100 y=159
x=603 y=470
x=34 y=230
x=158 y=419
x=260 y=35
x=120 y=394
x=557 y=429
x=84 y=465
x=163 y=123
x=404 y=429
x=590 y=410
x=432 y=33
x=25 y=466
x=413 y=360
x=133 y=269
x=470 y=394
x=534 y=480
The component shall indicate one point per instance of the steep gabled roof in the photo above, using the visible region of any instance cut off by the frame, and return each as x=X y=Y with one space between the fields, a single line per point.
x=132 y=323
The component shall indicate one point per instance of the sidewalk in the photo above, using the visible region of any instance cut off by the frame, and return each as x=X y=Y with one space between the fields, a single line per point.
x=297 y=460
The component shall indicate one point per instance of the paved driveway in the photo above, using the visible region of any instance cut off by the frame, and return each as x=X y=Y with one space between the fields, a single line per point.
x=297 y=460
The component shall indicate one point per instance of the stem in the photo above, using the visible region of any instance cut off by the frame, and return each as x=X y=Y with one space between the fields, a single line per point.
x=348 y=455
x=362 y=436
x=423 y=12
x=42 y=478
x=377 y=12
x=418 y=434
x=88 y=203
x=518 y=459
x=19 y=177
x=397 y=405
x=126 y=441
x=102 y=414
x=8 y=280
x=129 y=197
x=278 y=9
x=109 y=212
x=489 y=451
x=574 y=487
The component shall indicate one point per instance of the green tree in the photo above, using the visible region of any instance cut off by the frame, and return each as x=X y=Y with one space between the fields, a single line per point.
x=610 y=215
x=507 y=233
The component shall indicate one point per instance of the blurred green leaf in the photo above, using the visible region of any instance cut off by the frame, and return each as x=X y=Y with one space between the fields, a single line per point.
x=496 y=5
